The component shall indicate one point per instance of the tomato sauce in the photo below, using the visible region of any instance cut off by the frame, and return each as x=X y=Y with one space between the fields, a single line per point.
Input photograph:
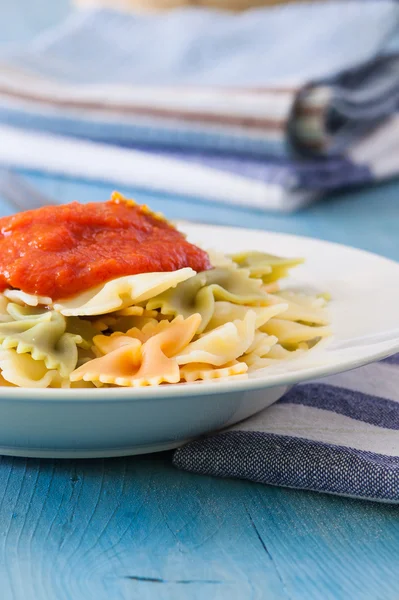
x=59 y=251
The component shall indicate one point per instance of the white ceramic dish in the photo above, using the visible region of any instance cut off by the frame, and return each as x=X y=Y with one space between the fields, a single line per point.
x=115 y=422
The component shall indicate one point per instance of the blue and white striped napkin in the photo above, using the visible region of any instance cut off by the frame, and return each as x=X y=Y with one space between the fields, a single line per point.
x=338 y=435
x=269 y=108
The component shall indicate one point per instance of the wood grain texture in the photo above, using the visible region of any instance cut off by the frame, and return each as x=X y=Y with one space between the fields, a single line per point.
x=136 y=528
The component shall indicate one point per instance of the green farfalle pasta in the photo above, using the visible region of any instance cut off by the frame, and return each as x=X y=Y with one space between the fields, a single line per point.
x=42 y=334
x=265 y=266
x=26 y=313
x=83 y=329
x=198 y=294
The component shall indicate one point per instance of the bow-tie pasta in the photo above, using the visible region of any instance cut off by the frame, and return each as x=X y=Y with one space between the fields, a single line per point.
x=42 y=334
x=196 y=371
x=23 y=370
x=139 y=360
x=121 y=293
x=226 y=312
x=264 y=266
x=200 y=293
x=221 y=345
x=291 y=334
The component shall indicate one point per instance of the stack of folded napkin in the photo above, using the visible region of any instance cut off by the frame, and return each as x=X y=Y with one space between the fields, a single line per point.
x=269 y=108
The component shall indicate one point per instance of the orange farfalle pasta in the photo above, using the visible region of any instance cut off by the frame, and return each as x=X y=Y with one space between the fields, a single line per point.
x=141 y=358
x=116 y=367
x=158 y=351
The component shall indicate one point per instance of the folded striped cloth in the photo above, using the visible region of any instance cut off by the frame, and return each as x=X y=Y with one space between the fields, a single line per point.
x=339 y=435
x=286 y=102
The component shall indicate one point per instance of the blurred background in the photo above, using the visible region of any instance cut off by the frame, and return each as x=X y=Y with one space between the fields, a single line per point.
x=269 y=114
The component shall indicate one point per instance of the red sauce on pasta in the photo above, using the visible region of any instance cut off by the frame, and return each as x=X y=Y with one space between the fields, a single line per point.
x=59 y=251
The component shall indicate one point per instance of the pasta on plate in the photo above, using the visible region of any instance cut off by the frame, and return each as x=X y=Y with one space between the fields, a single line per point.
x=147 y=327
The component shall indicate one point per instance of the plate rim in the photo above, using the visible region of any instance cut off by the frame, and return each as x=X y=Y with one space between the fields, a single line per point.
x=215 y=386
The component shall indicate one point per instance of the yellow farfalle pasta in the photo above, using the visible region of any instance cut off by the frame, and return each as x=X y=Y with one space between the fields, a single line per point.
x=262 y=344
x=123 y=324
x=199 y=371
x=307 y=300
x=277 y=352
x=274 y=356
x=4 y=314
x=25 y=299
x=291 y=334
x=299 y=311
x=24 y=371
x=121 y=292
x=225 y=312
x=260 y=347
x=219 y=259
x=221 y=345
x=136 y=311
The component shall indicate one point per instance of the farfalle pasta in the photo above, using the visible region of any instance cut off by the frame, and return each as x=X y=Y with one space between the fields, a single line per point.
x=121 y=293
x=221 y=345
x=200 y=293
x=111 y=294
x=42 y=335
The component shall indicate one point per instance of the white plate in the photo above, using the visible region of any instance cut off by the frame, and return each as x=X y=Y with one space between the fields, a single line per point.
x=115 y=422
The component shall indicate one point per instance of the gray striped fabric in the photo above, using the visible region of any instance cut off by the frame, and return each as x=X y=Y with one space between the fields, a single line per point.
x=339 y=435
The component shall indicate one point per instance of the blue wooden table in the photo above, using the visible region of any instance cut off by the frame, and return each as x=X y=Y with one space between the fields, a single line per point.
x=136 y=528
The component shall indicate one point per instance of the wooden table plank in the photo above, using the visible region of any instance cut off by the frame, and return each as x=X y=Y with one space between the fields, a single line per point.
x=137 y=528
